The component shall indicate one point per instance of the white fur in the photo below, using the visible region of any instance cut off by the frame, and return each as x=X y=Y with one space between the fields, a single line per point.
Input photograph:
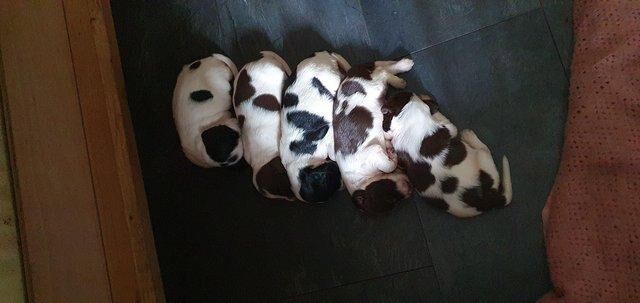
x=323 y=66
x=374 y=159
x=261 y=130
x=193 y=118
x=407 y=137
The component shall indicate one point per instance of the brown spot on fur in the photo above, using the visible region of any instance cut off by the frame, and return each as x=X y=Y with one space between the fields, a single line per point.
x=484 y=197
x=244 y=89
x=393 y=106
x=449 y=185
x=268 y=102
x=457 y=153
x=361 y=71
x=351 y=130
x=240 y=121
x=351 y=87
x=272 y=178
x=435 y=143
x=419 y=174
x=378 y=197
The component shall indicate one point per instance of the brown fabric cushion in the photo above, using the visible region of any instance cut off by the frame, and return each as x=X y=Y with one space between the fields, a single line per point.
x=592 y=227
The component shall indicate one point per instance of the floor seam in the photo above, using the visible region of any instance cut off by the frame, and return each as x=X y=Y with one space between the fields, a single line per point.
x=359 y=281
x=471 y=32
x=553 y=39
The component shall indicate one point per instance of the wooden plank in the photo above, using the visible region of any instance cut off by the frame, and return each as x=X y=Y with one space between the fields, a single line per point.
x=129 y=248
x=59 y=227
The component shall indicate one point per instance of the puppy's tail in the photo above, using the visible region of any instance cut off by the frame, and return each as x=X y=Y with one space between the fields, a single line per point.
x=342 y=62
x=278 y=59
x=505 y=187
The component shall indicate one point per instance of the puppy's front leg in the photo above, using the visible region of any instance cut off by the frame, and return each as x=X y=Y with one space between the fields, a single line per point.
x=385 y=162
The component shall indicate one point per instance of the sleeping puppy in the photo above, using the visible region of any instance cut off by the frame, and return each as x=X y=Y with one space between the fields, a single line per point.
x=209 y=132
x=365 y=158
x=453 y=173
x=256 y=98
x=306 y=146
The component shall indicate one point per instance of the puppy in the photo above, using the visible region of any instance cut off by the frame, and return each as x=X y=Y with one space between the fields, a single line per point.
x=209 y=132
x=363 y=154
x=306 y=146
x=256 y=98
x=453 y=173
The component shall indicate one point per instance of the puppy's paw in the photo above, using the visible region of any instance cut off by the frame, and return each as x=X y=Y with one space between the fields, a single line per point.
x=468 y=135
x=404 y=65
x=397 y=82
x=388 y=135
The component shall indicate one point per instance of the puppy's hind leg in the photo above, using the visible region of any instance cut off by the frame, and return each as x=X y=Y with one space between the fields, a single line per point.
x=470 y=137
x=396 y=81
x=485 y=160
x=396 y=67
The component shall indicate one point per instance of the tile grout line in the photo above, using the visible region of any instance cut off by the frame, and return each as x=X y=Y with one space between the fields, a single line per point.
x=553 y=39
x=359 y=281
x=426 y=243
x=468 y=33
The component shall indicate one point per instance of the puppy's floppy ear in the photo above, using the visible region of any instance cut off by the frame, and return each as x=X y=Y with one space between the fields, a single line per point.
x=318 y=184
x=342 y=62
x=228 y=62
x=359 y=198
x=433 y=105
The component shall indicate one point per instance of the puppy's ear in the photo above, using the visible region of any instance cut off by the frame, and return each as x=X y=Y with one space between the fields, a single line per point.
x=318 y=184
x=433 y=105
x=359 y=199
x=343 y=65
x=228 y=62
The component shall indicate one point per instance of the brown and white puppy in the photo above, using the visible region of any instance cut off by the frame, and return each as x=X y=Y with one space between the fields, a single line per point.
x=257 y=100
x=453 y=173
x=209 y=132
x=306 y=146
x=365 y=158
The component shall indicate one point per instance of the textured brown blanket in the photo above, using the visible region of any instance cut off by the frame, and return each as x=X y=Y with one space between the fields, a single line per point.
x=593 y=213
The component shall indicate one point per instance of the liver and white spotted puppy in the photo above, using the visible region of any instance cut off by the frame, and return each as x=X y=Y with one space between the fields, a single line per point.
x=365 y=158
x=306 y=146
x=453 y=173
x=209 y=132
x=257 y=95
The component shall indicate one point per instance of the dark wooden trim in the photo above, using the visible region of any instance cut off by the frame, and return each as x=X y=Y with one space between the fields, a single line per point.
x=83 y=214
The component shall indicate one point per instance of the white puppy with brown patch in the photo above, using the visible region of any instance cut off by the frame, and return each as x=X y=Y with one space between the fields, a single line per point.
x=209 y=132
x=257 y=100
x=306 y=146
x=365 y=158
x=453 y=173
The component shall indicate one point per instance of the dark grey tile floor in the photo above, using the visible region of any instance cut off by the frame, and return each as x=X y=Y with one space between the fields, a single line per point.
x=498 y=67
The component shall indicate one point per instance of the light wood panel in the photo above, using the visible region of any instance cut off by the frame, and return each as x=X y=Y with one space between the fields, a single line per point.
x=83 y=215
x=59 y=226
x=120 y=198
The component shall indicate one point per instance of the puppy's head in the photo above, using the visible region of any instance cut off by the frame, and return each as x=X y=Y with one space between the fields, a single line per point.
x=382 y=194
x=394 y=105
x=319 y=183
x=272 y=181
x=222 y=143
